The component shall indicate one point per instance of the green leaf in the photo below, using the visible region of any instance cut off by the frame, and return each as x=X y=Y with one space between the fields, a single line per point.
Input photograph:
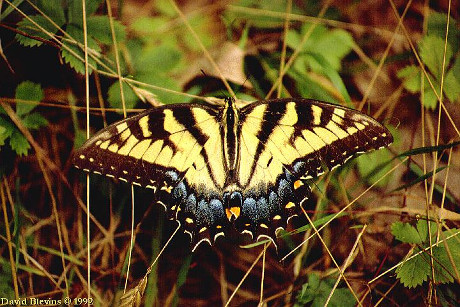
x=319 y=222
x=54 y=10
x=446 y=261
x=30 y=91
x=316 y=292
x=410 y=75
x=369 y=166
x=333 y=46
x=432 y=53
x=437 y=26
x=20 y=267
x=307 y=293
x=80 y=138
x=183 y=272
x=455 y=70
x=76 y=61
x=201 y=25
x=452 y=82
x=415 y=271
x=417 y=171
x=293 y=39
x=430 y=100
x=422 y=228
x=318 y=32
x=164 y=7
x=445 y=267
x=243 y=42
x=146 y=27
x=308 y=87
x=341 y=297
x=9 y=128
x=99 y=29
x=19 y=143
x=34 y=121
x=76 y=10
x=3 y=135
x=114 y=96
x=164 y=82
x=151 y=291
x=334 y=76
x=159 y=60
x=135 y=47
x=322 y=54
x=33 y=29
x=406 y=233
x=261 y=20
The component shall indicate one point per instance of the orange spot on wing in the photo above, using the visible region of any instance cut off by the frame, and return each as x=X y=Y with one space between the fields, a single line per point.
x=297 y=184
x=233 y=213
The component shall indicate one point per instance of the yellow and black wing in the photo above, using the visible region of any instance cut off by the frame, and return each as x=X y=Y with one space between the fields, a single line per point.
x=286 y=142
x=174 y=150
x=143 y=148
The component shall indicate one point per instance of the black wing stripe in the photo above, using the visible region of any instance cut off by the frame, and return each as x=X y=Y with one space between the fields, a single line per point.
x=270 y=120
x=185 y=117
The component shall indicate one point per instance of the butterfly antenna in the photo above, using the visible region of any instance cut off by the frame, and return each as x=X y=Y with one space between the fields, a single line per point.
x=242 y=85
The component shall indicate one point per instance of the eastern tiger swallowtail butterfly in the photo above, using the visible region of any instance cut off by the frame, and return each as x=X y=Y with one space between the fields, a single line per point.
x=219 y=166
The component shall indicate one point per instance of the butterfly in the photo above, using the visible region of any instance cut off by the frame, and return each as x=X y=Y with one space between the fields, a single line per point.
x=216 y=167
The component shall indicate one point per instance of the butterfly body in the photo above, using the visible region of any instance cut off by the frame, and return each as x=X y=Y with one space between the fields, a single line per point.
x=218 y=166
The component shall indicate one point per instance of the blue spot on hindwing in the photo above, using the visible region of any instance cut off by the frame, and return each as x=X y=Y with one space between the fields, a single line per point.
x=217 y=210
x=172 y=176
x=179 y=192
x=263 y=212
x=274 y=202
x=299 y=168
x=285 y=190
x=203 y=213
x=190 y=205
x=249 y=209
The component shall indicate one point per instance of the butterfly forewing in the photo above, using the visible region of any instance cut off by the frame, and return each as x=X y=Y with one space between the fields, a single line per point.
x=305 y=132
